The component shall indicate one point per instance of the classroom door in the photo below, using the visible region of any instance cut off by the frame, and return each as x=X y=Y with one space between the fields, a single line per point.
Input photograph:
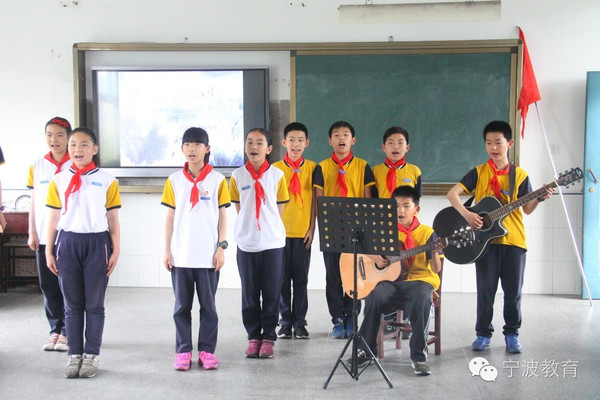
x=591 y=188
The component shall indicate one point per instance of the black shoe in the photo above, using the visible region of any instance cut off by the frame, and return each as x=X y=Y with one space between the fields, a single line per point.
x=362 y=359
x=285 y=332
x=300 y=332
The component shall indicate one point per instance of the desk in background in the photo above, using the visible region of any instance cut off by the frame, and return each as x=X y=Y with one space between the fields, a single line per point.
x=17 y=263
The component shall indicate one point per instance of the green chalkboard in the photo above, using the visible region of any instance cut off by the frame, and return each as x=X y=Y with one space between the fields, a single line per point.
x=443 y=100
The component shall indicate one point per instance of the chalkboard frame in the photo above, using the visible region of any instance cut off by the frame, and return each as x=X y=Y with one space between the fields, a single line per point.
x=512 y=48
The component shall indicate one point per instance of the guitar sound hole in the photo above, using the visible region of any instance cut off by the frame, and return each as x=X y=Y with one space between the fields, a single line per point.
x=487 y=221
x=379 y=268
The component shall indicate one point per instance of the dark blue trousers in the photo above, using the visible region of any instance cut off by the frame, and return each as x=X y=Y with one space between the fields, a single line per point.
x=507 y=264
x=53 y=297
x=293 y=307
x=339 y=303
x=206 y=281
x=261 y=274
x=414 y=297
x=82 y=260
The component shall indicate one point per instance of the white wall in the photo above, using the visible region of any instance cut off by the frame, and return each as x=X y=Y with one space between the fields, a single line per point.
x=36 y=84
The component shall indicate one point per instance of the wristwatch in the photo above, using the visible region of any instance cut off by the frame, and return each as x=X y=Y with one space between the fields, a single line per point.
x=223 y=244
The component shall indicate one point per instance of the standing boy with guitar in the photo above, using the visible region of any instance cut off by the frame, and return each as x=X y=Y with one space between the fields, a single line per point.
x=505 y=258
x=414 y=292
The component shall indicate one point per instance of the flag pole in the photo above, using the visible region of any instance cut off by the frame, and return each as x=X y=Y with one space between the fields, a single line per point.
x=530 y=94
x=562 y=198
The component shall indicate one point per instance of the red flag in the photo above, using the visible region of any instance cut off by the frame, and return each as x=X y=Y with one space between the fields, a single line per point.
x=529 y=88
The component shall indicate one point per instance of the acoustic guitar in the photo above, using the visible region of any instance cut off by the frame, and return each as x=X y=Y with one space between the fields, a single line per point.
x=369 y=274
x=493 y=213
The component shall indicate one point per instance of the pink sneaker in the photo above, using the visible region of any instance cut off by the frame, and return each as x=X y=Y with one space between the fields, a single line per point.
x=267 y=349
x=253 y=348
x=183 y=361
x=208 y=360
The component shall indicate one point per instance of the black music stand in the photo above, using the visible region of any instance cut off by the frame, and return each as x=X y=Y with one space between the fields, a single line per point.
x=357 y=225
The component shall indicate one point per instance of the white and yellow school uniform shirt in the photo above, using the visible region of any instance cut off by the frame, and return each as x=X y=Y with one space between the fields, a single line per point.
x=358 y=176
x=41 y=173
x=87 y=207
x=296 y=213
x=478 y=180
x=272 y=231
x=409 y=175
x=420 y=270
x=195 y=230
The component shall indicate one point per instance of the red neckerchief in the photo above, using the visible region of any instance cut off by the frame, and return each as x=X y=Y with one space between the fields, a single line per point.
x=341 y=179
x=58 y=164
x=75 y=182
x=259 y=193
x=495 y=182
x=294 y=186
x=409 y=242
x=391 y=175
x=195 y=195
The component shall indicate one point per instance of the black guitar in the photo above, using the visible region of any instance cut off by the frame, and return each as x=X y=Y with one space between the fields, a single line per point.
x=493 y=212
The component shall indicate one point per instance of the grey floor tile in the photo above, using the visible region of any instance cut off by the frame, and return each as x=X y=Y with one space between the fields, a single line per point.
x=559 y=334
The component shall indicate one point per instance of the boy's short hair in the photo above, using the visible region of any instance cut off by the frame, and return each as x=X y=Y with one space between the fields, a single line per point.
x=395 y=129
x=341 y=124
x=498 y=126
x=406 y=191
x=295 y=126
x=195 y=135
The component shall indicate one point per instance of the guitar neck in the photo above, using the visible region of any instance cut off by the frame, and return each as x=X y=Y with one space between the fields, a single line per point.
x=510 y=207
x=404 y=254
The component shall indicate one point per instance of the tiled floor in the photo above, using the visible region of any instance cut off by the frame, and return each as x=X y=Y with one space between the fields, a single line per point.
x=560 y=360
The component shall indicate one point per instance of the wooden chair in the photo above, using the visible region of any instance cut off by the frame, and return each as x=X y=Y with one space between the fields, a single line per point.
x=435 y=326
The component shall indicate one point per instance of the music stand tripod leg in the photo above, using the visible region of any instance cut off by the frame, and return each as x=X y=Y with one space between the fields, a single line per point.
x=355 y=336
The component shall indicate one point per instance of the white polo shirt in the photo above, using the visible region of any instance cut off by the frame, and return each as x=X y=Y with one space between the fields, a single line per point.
x=195 y=230
x=246 y=233
x=87 y=207
x=41 y=173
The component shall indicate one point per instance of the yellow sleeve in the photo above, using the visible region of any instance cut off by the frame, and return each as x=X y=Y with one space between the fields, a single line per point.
x=168 y=197
x=113 y=199
x=224 y=197
x=30 y=178
x=233 y=191
x=53 y=198
x=283 y=196
x=467 y=191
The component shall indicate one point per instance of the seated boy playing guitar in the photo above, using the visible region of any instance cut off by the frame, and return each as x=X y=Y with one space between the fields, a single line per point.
x=414 y=293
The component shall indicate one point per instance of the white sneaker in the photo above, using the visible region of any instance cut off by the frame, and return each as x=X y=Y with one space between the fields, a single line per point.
x=51 y=342
x=89 y=366
x=61 y=344
x=73 y=366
